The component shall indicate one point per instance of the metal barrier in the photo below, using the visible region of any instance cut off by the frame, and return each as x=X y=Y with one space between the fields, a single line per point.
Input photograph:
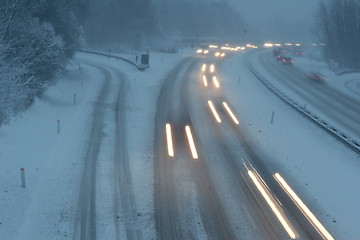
x=139 y=67
x=334 y=131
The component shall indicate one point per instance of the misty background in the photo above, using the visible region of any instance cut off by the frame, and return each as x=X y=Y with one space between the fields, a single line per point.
x=38 y=38
x=280 y=20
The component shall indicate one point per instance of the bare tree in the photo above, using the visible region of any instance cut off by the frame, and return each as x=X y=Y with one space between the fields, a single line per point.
x=338 y=26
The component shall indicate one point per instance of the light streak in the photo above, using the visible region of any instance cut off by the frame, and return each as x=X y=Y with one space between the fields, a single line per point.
x=212 y=68
x=169 y=140
x=309 y=215
x=212 y=108
x=272 y=205
x=216 y=82
x=203 y=68
x=268 y=45
x=191 y=142
x=205 y=81
x=230 y=113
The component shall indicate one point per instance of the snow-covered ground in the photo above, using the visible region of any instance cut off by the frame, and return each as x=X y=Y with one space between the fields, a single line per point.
x=322 y=170
x=46 y=208
x=51 y=160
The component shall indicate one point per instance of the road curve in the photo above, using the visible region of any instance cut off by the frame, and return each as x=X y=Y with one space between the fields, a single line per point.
x=85 y=223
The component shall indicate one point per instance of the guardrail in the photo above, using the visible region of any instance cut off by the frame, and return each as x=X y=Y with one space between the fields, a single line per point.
x=139 y=67
x=348 y=72
x=334 y=131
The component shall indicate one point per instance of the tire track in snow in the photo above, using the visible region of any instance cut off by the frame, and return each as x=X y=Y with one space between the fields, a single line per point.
x=85 y=222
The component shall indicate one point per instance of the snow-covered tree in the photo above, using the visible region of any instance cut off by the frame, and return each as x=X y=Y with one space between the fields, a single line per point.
x=33 y=48
x=338 y=26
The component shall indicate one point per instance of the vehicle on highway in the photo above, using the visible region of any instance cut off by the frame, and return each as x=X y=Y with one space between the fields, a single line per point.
x=317 y=77
x=287 y=61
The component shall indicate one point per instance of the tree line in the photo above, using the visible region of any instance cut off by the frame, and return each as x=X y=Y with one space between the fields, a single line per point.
x=39 y=37
x=338 y=27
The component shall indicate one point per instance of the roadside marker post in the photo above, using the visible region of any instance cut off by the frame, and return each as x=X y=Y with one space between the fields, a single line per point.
x=58 y=126
x=272 y=117
x=22 y=171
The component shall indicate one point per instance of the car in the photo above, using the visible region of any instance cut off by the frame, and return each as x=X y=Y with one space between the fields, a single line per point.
x=287 y=60
x=317 y=76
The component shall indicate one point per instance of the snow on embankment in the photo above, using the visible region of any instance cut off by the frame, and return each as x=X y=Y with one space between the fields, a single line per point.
x=320 y=168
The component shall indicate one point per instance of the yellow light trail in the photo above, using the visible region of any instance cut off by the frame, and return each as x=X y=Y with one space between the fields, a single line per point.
x=216 y=82
x=169 y=140
x=203 y=68
x=309 y=215
x=272 y=205
x=212 y=68
x=230 y=113
x=212 y=108
x=191 y=142
x=205 y=81
x=268 y=45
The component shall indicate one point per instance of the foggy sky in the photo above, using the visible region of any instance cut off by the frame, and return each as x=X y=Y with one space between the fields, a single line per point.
x=279 y=20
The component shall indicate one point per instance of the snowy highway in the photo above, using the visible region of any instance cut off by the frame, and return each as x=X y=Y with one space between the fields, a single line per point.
x=203 y=194
x=179 y=120
x=186 y=150
x=336 y=107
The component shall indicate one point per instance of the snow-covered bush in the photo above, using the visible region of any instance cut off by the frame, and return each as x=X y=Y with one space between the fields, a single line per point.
x=31 y=51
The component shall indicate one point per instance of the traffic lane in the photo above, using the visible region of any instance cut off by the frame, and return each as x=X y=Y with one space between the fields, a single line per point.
x=343 y=103
x=223 y=157
x=264 y=164
x=214 y=217
x=305 y=229
x=174 y=206
x=307 y=82
x=321 y=86
x=316 y=96
x=170 y=214
x=237 y=148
